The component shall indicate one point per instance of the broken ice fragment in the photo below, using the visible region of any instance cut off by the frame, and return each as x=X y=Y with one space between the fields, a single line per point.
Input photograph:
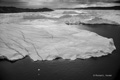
x=49 y=40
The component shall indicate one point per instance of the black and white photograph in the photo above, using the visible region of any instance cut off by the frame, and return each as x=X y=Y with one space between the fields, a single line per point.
x=59 y=39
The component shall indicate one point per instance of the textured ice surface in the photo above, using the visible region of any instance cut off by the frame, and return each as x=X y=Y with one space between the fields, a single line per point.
x=67 y=16
x=47 y=40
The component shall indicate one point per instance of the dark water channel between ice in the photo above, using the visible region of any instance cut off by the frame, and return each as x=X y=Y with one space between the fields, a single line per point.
x=102 y=68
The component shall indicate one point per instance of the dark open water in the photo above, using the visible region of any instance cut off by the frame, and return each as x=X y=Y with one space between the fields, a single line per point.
x=103 y=68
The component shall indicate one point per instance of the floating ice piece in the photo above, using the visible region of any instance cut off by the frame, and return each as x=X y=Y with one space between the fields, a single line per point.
x=47 y=41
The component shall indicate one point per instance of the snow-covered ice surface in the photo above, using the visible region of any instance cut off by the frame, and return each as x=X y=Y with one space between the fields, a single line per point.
x=45 y=39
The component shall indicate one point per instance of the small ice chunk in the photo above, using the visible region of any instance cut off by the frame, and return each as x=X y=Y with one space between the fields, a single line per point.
x=38 y=69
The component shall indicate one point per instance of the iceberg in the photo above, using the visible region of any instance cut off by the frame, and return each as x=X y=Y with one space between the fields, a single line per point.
x=48 y=40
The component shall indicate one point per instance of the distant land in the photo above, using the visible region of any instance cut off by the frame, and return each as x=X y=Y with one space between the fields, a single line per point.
x=5 y=9
x=16 y=10
x=97 y=8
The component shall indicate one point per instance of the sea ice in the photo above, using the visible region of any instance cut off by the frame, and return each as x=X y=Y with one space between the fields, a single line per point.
x=49 y=40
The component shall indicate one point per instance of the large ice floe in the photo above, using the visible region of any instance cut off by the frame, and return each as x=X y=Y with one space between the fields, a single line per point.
x=47 y=40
